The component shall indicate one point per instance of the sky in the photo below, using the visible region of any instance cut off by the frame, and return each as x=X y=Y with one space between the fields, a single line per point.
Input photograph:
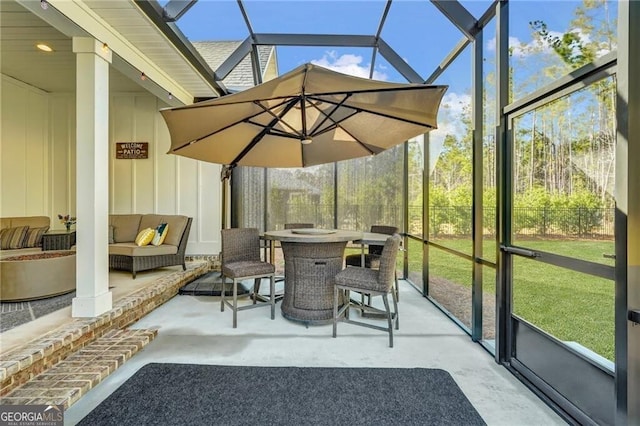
x=415 y=29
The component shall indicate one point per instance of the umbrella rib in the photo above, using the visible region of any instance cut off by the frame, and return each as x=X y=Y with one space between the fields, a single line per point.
x=244 y=119
x=262 y=133
x=380 y=114
x=337 y=124
x=268 y=111
x=280 y=133
x=326 y=116
x=385 y=89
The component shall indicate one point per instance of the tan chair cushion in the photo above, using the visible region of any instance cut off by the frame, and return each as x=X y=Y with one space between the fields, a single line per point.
x=131 y=249
x=125 y=227
x=177 y=224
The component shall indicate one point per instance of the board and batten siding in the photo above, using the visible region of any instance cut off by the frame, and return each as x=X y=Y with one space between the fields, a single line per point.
x=37 y=163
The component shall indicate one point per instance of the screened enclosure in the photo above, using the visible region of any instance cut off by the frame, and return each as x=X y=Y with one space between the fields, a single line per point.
x=509 y=212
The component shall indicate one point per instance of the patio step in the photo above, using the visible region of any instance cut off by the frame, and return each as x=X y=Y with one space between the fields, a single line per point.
x=69 y=380
x=22 y=364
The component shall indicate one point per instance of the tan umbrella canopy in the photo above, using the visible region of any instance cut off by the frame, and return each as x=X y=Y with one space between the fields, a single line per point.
x=309 y=116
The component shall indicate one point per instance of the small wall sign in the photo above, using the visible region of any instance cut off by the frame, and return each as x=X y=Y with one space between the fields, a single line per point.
x=132 y=150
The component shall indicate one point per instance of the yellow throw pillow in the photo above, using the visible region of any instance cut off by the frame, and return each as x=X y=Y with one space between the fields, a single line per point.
x=161 y=234
x=145 y=236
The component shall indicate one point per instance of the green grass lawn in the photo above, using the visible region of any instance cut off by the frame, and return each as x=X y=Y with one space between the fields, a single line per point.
x=569 y=305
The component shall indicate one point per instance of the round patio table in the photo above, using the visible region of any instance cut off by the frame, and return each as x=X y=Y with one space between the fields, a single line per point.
x=312 y=258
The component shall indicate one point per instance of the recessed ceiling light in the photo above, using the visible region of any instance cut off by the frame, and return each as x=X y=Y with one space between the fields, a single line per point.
x=44 y=47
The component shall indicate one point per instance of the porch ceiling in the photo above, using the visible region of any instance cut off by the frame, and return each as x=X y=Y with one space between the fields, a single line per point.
x=21 y=28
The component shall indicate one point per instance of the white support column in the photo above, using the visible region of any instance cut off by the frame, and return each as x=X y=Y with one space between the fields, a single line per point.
x=92 y=178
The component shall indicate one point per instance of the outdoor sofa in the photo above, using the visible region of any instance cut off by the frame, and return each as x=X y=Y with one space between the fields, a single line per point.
x=22 y=234
x=125 y=254
x=26 y=272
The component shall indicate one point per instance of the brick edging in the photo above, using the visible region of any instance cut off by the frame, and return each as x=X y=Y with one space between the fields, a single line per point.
x=21 y=364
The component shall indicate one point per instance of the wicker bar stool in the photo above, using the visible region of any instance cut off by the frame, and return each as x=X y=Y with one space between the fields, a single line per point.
x=372 y=258
x=241 y=261
x=371 y=282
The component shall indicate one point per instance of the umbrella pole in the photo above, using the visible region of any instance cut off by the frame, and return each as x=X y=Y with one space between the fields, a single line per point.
x=225 y=177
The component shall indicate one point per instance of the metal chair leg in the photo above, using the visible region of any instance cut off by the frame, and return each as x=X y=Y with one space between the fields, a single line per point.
x=385 y=299
x=394 y=296
x=335 y=310
x=256 y=289
x=235 y=303
x=273 y=297
x=222 y=293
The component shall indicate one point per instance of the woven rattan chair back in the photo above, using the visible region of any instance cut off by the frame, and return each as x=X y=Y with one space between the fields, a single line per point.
x=241 y=260
x=381 y=229
x=387 y=271
x=370 y=282
x=240 y=244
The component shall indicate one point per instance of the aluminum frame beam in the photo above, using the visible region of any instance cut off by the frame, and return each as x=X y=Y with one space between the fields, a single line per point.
x=234 y=59
x=176 y=8
x=153 y=10
x=459 y=16
x=448 y=60
x=245 y=16
x=398 y=63
x=315 y=40
x=627 y=185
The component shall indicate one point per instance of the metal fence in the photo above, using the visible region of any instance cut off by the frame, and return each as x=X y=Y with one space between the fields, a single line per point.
x=544 y=222
x=350 y=216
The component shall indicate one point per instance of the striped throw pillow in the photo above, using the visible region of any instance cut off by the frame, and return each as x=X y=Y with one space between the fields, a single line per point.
x=161 y=234
x=12 y=238
x=33 y=237
x=145 y=236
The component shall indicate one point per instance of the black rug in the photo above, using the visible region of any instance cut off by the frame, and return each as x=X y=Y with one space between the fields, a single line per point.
x=210 y=284
x=13 y=314
x=185 y=394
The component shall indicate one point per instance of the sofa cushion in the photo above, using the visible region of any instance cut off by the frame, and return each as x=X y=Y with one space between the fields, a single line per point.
x=125 y=227
x=131 y=249
x=12 y=238
x=177 y=225
x=33 y=237
x=111 y=240
x=150 y=221
x=161 y=234
x=30 y=221
x=5 y=222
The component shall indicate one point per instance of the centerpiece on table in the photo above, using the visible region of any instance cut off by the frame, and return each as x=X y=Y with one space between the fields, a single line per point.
x=67 y=220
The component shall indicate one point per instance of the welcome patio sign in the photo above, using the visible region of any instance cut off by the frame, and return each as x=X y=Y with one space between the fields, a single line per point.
x=132 y=150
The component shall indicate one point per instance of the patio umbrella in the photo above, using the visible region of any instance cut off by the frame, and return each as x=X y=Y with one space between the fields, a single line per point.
x=309 y=116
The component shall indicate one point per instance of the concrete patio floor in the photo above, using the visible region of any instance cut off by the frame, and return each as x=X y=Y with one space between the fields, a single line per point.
x=191 y=329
